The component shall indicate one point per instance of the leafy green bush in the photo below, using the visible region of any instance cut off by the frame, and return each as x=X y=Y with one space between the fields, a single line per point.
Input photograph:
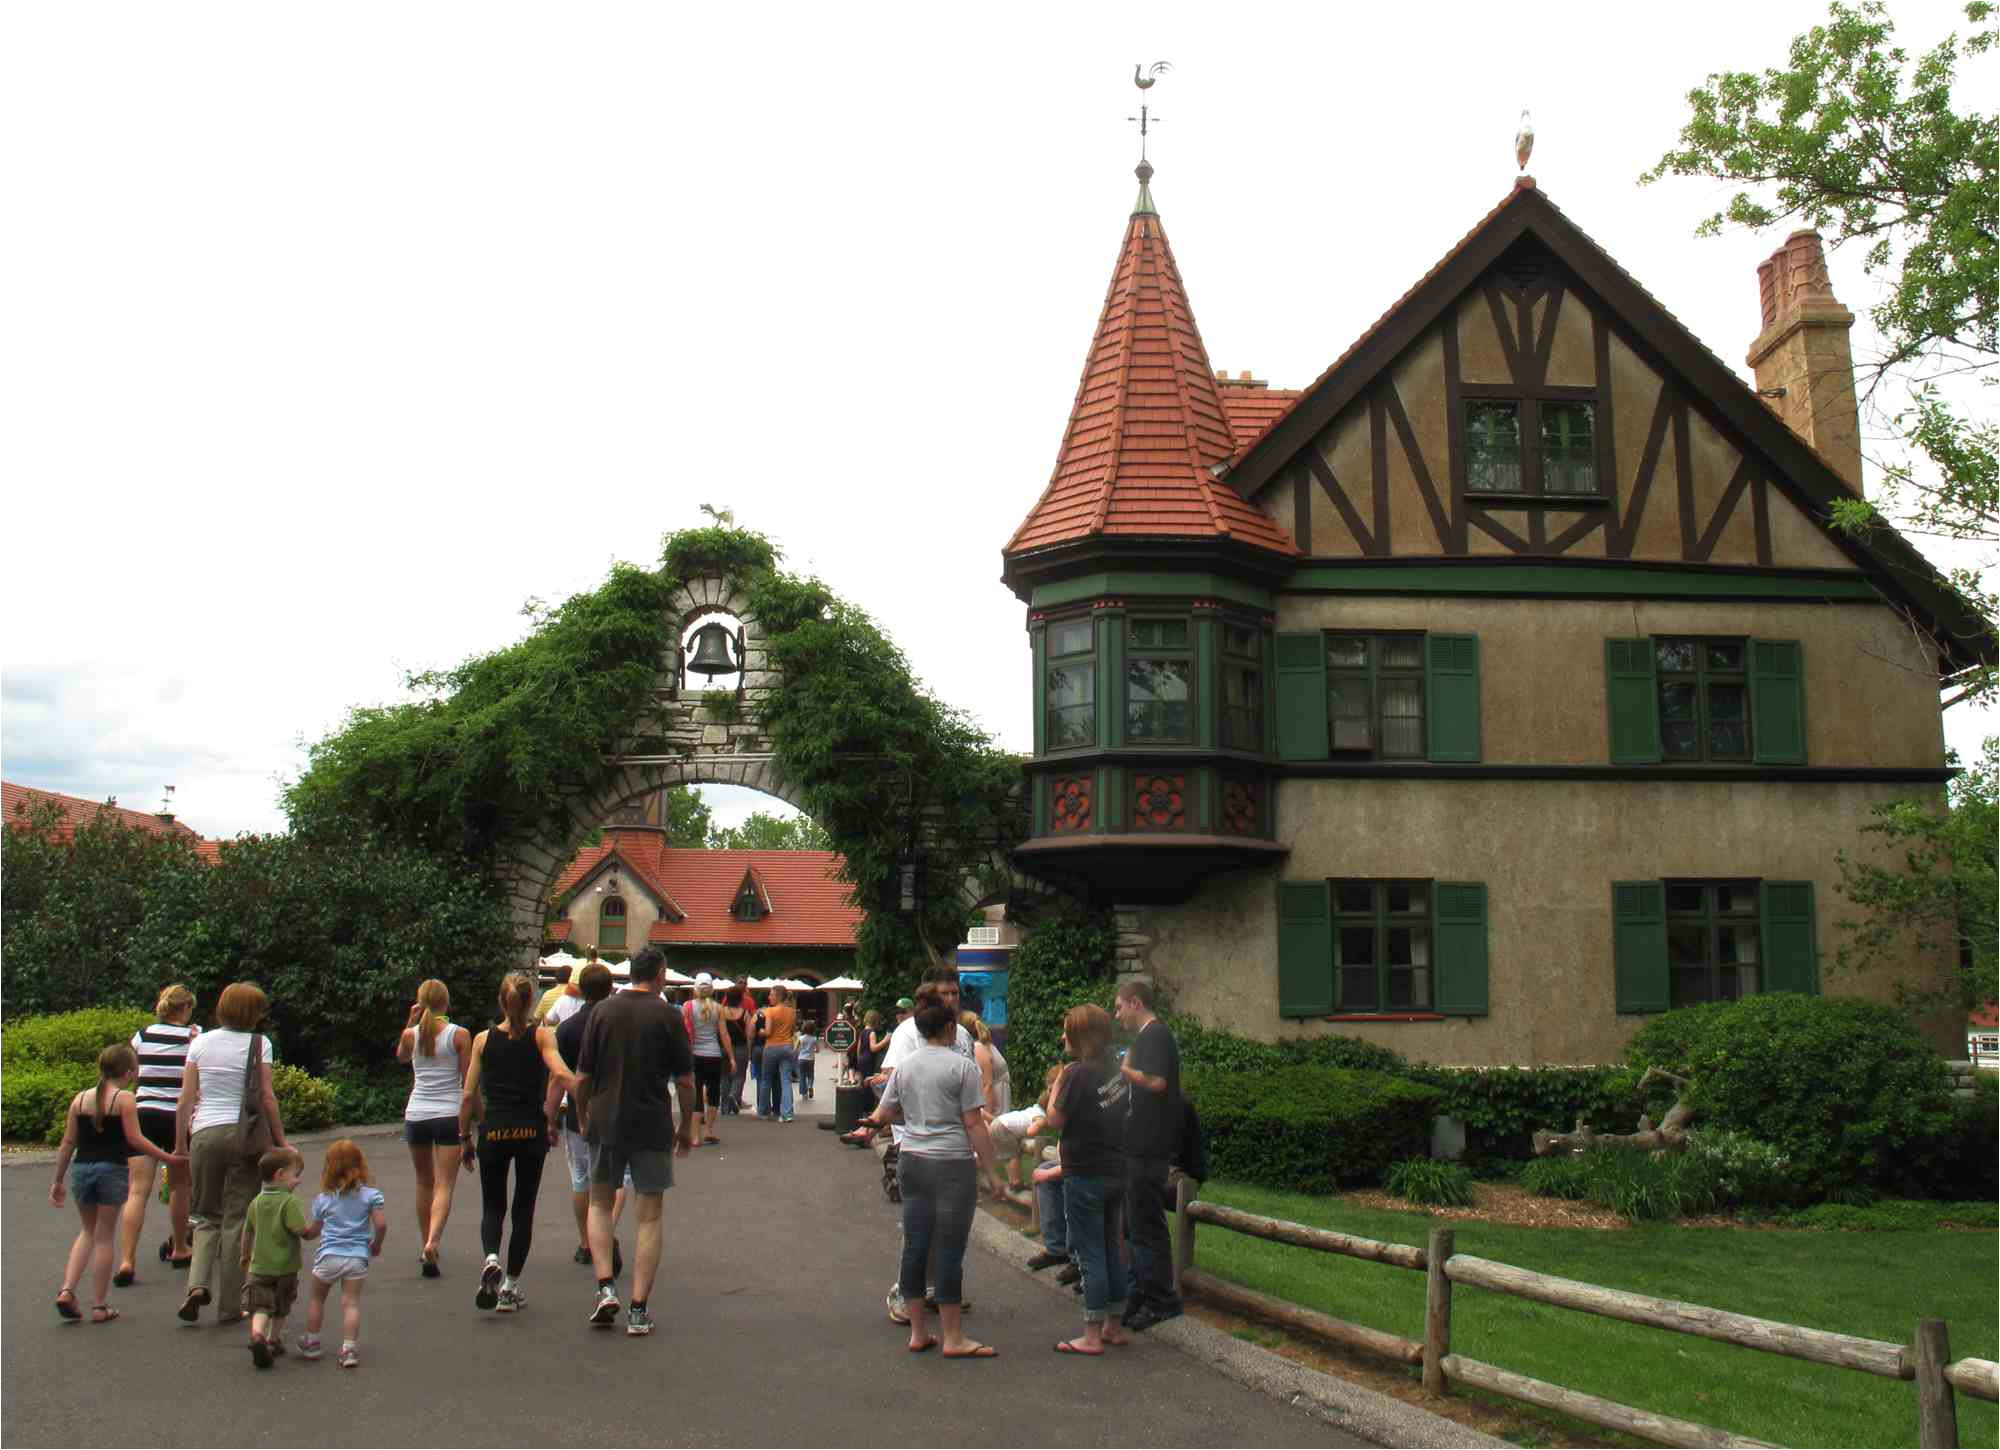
x=1848 y=1090
x=1629 y=1181
x=304 y=1101
x=35 y=1095
x=1210 y=1049
x=1502 y=1107
x=1307 y=1129
x=1742 y=1172
x=1897 y=1215
x=1561 y=1175
x=74 y=1037
x=368 y=1095
x=1963 y=1162
x=1428 y=1180
x=1059 y=964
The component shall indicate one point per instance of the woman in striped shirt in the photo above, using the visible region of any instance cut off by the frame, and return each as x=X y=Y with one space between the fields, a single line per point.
x=162 y=1050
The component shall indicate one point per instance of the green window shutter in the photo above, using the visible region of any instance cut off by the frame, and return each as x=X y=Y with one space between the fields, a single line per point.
x=1305 y=948
x=1459 y=934
x=1639 y=945
x=1777 y=703
x=1451 y=695
x=1634 y=700
x=1791 y=951
x=1301 y=672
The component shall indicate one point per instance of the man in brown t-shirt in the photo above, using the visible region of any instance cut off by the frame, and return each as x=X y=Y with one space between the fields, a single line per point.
x=632 y=1045
x=776 y=1082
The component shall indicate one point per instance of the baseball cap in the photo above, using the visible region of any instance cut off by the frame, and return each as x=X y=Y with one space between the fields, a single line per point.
x=703 y=979
x=902 y=1002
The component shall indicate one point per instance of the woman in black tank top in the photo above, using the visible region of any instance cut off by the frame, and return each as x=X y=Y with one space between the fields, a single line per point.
x=100 y=1131
x=508 y=1086
x=736 y=1018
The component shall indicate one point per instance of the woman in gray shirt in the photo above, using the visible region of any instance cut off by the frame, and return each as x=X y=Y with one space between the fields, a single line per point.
x=940 y=1100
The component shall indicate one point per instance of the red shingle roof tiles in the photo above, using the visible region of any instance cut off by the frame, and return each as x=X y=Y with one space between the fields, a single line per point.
x=809 y=903
x=76 y=811
x=1147 y=424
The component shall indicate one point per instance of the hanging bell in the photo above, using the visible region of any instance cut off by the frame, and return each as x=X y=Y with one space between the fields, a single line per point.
x=711 y=655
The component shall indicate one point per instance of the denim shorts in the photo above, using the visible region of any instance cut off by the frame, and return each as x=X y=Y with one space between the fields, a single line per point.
x=436 y=1132
x=335 y=1267
x=99 y=1182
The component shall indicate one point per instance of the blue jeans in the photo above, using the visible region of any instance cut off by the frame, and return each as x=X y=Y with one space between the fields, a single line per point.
x=1055 y=1221
x=774 y=1081
x=939 y=1196
x=1096 y=1211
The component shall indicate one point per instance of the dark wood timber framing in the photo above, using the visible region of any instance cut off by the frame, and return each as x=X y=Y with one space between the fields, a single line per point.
x=1709 y=774
x=1696 y=378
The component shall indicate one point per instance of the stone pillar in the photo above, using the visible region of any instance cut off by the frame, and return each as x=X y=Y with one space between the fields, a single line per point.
x=1133 y=940
x=1804 y=350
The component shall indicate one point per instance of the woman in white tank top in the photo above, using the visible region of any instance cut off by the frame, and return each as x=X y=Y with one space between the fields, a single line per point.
x=438 y=1053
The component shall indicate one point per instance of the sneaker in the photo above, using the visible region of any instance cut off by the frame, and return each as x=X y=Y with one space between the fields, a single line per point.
x=430 y=1266
x=1046 y=1260
x=638 y=1321
x=899 y=1311
x=309 y=1347
x=350 y=1357
x=1150 y=1314
x=260 y=1352
x=605 y=1312
x=511 y=1300
x=581 y=1256
x=786 y=1119
x=489 y=1283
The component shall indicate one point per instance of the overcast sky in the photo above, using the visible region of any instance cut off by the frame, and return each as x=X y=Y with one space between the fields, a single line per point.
x=332 y=334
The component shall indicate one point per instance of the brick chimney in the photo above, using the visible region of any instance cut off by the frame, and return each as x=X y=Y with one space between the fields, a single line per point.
x=1804 y=351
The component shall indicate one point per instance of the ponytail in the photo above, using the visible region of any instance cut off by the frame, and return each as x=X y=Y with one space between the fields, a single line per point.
x=517 y=1000
x=115 y=1062
x=434 y=997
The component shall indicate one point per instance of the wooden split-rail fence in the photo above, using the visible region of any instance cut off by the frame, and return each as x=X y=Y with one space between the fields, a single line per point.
x=1925 y=1360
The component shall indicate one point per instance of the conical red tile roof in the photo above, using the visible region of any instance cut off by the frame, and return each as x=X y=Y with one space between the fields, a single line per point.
x=1148 y=421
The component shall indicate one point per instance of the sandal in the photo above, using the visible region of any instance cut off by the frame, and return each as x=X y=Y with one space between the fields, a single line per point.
x=125 y=1278
x=711 y=1139
x=102 y=1314
x=1070 y=1346
x=66 y=1304
x=166 y=1251
x=976 y=1351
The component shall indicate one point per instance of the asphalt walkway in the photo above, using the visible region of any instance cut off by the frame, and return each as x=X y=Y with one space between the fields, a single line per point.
x=779 y=1248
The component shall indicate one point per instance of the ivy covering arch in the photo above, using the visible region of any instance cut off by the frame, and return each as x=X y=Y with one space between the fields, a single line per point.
x=508 y=744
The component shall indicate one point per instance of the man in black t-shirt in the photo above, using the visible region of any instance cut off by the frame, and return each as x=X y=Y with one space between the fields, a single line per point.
x=633 y=1045
x=1152 y=1070
x=593 y=985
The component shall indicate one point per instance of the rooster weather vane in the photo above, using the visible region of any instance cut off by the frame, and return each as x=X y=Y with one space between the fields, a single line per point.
x=1144 y=76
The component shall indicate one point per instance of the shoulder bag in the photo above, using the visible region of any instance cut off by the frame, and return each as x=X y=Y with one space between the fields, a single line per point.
x=253 y=1128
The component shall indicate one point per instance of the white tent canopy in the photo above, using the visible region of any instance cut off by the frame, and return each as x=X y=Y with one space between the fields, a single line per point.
x=561 y=959
x=841 y=984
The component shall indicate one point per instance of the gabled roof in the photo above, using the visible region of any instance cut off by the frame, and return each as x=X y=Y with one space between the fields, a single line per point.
x=1250 y=411
x=1148 y=423
x=76 y=811
x=809 y=905
x=1667 y=343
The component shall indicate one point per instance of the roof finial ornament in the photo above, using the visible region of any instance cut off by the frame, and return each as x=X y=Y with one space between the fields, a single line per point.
x=1144 y=77
x=1524 y=142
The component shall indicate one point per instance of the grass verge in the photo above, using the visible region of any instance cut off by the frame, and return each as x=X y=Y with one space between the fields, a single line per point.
x=1853 y=1283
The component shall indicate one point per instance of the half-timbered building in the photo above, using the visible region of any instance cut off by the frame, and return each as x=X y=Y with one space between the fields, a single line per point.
x=1506 y=684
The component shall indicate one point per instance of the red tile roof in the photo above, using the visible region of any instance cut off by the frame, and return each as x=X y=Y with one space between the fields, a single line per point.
x=809 y=902
x=76 y=811
x=1251 y=410
x=1147 y=424
x=1985 y=1018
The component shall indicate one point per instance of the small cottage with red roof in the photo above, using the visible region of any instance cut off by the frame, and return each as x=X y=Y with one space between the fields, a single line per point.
x=730 y=913
x=20 y=802
x=1505 y=685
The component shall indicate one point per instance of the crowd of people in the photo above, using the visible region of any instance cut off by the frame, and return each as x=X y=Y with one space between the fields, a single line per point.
x=1103 y=1201
x=595 y=1072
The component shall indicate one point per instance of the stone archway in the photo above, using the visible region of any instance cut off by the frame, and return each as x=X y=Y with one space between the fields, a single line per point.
x=685 y=743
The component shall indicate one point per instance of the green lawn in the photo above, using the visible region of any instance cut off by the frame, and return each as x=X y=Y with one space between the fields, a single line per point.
x=1871 y=1284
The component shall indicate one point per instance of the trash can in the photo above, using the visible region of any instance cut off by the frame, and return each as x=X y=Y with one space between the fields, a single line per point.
x=850 y=1106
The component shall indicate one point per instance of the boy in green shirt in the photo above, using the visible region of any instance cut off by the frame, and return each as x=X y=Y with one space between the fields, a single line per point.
x=272 y=1231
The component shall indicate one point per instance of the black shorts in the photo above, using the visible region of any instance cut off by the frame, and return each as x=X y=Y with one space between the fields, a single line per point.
x=431 y=1132
x=707 y=1082
x=157 y=1128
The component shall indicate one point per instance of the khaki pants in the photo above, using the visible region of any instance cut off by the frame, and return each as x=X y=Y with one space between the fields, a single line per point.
x=223 y=1187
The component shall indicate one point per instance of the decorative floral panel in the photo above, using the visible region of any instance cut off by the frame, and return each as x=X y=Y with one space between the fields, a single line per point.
x=1069 y=804
x=1159 y=801
x=1242 y=807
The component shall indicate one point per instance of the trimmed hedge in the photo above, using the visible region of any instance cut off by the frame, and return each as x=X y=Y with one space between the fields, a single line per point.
x=1308 y=1129
x=1502 y=1107
x=69 y=1036
x=304 y=1101
x=34 y=1096
x=1848 y=1090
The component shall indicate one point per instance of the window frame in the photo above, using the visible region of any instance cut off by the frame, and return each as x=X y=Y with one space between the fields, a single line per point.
x=1382 y=921
x=1699 y=677
x=1713 y=922
x=1183 y=653
x=604 y=927
x=1373 y=674
x=1528 y=405
x=1086 y=661
x=1256 y=667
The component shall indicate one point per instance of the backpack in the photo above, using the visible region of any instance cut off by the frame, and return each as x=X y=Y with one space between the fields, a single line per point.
x=1192 y=1158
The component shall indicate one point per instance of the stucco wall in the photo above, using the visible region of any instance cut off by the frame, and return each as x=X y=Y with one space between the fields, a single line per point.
x=1548 y=852
x=640 y=914
x=1870 y=686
